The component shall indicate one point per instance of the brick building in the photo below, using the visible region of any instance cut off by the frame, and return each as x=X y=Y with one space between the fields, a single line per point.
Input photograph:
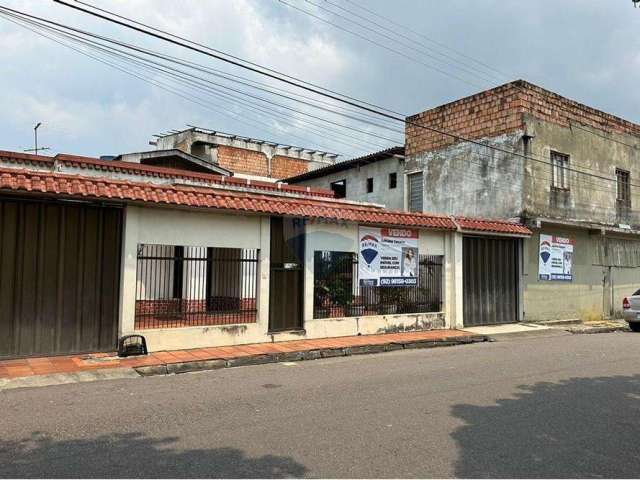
x=567 y=170
x=245 y=157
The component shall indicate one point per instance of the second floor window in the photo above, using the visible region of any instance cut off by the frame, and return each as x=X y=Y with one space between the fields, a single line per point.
x=414 y=195
x=393 y=180
x=369 y=185
x=339 y=188
x=560 y=171
x=623 y=187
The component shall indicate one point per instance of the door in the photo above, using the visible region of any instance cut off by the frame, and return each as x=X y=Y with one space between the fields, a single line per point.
x=490 y=280
x=286 y=284
x=59 y=277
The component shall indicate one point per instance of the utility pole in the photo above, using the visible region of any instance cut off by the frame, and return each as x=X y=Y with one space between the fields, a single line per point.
x=35 y=134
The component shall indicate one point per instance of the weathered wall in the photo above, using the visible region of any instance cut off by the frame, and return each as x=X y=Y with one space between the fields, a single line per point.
x=190 y=228
x=588 y=199
x=247 y=156
x=357 y=183
x=472 y=180
x=343 y=237
x=595 y=288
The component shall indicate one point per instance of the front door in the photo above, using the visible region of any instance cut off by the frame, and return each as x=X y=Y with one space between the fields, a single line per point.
x=286 y=285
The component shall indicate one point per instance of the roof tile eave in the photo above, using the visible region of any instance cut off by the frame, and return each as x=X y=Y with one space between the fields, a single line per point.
x=102 y=187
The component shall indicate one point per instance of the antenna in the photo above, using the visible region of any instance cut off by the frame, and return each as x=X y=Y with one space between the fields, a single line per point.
x=35 y=134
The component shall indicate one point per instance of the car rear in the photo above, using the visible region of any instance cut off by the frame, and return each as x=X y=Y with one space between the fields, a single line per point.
x=631 y=310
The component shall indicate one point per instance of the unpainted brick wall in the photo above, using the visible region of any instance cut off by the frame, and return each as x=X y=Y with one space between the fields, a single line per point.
x=500 y=110
x=256 y=163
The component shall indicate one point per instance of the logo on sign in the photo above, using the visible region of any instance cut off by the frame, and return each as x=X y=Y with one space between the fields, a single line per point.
x=369 y=248
x=545 y=251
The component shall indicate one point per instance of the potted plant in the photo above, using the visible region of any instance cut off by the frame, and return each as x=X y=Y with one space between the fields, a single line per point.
x=389 y=300
x=353 y=308
x=320 y=300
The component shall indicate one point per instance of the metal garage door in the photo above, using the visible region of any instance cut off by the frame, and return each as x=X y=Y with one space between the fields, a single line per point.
x=59 y=277
x=490 y=282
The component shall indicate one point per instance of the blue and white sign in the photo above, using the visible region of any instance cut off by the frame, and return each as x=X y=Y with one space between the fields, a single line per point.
x=388 y=257
x=555 y=261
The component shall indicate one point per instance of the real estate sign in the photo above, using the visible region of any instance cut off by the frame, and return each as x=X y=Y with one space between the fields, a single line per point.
x=555 y=258
x=388 y=257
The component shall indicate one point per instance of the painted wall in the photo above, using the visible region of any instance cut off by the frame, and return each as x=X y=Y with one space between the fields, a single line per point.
x=357 y=183
x=343 y=237
x=191 y=228
x=596 y=289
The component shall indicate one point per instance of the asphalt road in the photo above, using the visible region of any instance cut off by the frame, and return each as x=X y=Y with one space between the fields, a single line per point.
x=558 y=406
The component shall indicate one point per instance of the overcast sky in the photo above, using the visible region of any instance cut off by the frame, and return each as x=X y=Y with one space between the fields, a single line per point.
x=588 y=50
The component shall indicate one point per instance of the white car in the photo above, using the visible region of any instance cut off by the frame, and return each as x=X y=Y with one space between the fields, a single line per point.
x=631 y=311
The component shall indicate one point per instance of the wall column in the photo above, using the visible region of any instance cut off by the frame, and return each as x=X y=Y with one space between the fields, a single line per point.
x=264 y=269
x=128 y=271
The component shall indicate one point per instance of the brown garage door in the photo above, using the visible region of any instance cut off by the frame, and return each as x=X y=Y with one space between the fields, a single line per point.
x=490 y=280
x=59 y=277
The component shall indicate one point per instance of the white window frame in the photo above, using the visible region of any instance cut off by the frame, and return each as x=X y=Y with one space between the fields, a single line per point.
x=559 y=171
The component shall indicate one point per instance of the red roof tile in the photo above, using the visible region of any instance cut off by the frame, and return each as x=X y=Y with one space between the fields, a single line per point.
x=20 y=180
x=495 y=226
x=100 y=188
x=162 y=172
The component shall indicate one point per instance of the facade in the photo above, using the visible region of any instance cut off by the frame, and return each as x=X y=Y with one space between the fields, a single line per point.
x=375 y=178
x=92 y=250
x=245 y=157
x=565 y=169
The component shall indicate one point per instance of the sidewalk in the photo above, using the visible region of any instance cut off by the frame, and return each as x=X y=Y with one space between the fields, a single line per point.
x=218 y=357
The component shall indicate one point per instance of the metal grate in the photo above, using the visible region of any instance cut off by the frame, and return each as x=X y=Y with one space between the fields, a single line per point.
x=337 y=292
x=178 y=286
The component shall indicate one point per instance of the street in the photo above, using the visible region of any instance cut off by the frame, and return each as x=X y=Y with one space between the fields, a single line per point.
x=557 y=405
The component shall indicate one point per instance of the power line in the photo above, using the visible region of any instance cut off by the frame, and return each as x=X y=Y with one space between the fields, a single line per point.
x=364 y=106
x=422 y=35
x=111 y=50
x=380 y=45
x=424 y=50
x=463 y=171
x=351 y=12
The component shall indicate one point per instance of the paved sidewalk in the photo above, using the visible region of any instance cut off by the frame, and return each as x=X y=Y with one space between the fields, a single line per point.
x=159 y=362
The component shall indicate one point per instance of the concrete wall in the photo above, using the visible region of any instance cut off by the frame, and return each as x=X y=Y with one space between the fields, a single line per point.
x=595 y=291
x=357 y=183
x=344 y=237
x=599 y=153
x=168 y=226
x=199 y=229
x=472 y=180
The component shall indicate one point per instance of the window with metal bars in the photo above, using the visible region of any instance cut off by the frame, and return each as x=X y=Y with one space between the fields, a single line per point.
x=337 y=292
x=180 y=286
x=623 y=190
x=559 y=171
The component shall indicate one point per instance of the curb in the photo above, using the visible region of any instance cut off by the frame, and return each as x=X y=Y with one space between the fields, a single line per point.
x=218 y=363
x=621 y=328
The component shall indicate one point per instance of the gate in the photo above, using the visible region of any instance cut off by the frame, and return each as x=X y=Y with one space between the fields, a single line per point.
x=59 y=277
x=286 y=284
x=490 y=280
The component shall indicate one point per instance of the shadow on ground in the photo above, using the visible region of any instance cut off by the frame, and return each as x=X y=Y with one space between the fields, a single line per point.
x=134 y=455
x=582 y=427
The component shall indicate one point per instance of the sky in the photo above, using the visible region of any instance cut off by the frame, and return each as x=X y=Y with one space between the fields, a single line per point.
x=419 y=55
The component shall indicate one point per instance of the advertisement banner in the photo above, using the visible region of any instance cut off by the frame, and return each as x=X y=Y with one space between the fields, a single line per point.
x=556 y=258
x=388 y=257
